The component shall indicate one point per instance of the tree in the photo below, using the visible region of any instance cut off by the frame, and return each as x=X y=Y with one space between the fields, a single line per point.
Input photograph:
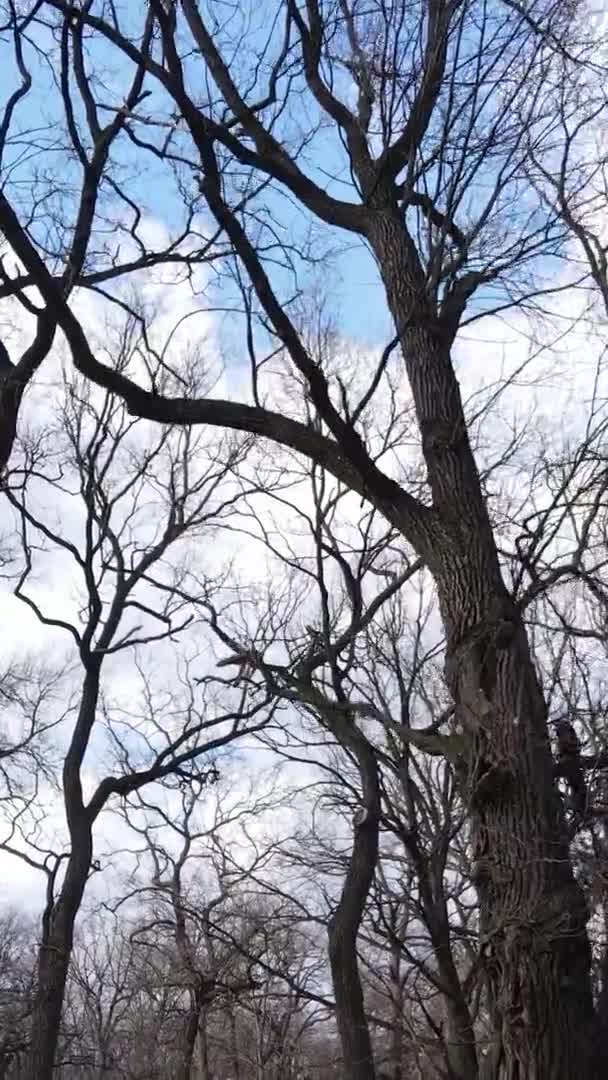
x=125 y=499
x=193 y=960
x=363 y=662
x=194 y=886
x=16 y=989
x=368 y=679
x=442 y=120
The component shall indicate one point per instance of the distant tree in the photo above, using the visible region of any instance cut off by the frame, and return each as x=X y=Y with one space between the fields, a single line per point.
x=114 y=503
x=17 y=963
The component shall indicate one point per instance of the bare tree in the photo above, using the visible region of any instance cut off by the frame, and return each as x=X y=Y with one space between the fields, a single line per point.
x=137 y=498
x=366 y=663
x=194 y=957
x=443 y=125
x=17 y=957
x=103 y=992
x=195 y=886
x=32 y=699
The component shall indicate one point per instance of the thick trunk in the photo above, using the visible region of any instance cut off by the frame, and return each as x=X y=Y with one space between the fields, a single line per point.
x=350 y=1011
x=344 y=927
x=532 y=912
x=54 y=959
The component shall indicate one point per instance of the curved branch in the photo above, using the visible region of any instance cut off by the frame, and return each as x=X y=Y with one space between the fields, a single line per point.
x=409 y=515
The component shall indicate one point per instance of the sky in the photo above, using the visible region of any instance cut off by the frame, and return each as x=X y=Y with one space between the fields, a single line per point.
x=353 y=286
x=549 y=388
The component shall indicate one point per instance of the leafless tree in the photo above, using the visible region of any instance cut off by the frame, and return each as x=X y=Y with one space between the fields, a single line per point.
x=17 y=962
x=366 y=663
x=194 y=957
x=195 y=886
x=443 y=128
x=121 y=501
x=32 y=701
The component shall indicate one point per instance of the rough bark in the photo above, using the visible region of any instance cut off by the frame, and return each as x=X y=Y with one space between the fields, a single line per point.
x=532 y=912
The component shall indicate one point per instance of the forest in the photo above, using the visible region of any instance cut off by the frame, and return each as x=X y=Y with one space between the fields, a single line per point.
x=303 y=540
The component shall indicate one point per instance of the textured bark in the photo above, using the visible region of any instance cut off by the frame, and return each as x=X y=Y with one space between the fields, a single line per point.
x=532 y=912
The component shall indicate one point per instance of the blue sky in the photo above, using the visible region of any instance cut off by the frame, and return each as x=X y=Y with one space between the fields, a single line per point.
x=352 y=282
x=351 y=278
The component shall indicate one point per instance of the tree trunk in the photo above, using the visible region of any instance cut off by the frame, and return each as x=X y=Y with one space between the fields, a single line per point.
x=203 y=1044
x=460 y=1038
x=532 y=912
x=54 y=958
x=234 y=1047
x=191 y=1028
x=344 y=926
x=460 y=1042
x=397 y=1014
